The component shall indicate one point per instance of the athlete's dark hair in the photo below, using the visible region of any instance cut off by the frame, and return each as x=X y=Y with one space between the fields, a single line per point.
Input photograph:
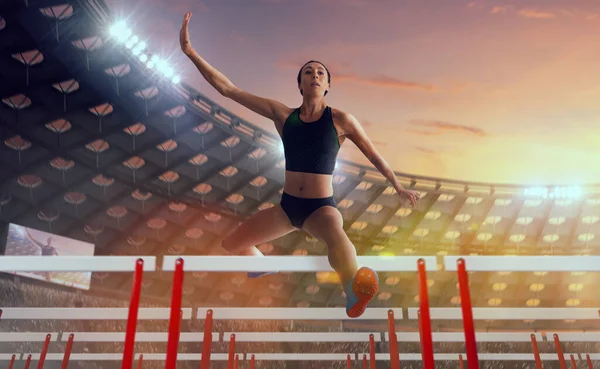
x=313 y=61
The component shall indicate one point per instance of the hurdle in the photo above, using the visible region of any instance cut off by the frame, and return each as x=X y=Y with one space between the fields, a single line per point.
x=281 y=264
x=175 y=314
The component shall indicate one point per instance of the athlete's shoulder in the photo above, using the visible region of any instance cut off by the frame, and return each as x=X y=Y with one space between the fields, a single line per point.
x=343 y=117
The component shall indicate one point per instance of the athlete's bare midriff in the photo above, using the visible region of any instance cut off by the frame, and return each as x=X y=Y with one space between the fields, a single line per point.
x=308 y=185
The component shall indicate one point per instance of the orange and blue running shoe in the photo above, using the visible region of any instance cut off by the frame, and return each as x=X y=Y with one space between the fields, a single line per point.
x=360 y=291
x=255 y=275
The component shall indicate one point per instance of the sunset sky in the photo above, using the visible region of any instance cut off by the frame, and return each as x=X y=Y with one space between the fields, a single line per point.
x=492 y=91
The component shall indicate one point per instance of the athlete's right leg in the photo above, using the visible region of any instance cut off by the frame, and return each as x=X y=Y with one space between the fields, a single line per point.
x=264 y=226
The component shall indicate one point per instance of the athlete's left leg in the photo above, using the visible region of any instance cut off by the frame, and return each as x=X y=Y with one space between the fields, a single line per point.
x=360 y=285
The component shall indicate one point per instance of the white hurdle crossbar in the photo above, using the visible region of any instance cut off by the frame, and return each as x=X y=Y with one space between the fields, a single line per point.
x=303 y=336
x=306 y=356
x=525 y=263
x=139 y=336
x=581 y=336
x=13 y=264
x=292 y=263
x=88 y=313
x=482 y=357
x=460 y=336
x=511 y=313
x=295 y=314
x=576 y=336
x=27 y=336
x=218 y=313
x=117 y=357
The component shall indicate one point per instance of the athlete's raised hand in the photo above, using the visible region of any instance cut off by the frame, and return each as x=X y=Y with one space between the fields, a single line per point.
x=412 y=196
x=184 y=35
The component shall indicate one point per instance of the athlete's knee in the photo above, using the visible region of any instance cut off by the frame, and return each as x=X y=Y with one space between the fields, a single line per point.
x=332 y=230
x=229 y=243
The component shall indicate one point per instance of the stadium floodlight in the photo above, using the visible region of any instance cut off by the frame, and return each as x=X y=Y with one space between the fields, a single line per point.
x=132 y=42
x=120 y=31
x=161 y=65
x=569 y=192
x=558 y=192
x=141 y=46
x=124 y=35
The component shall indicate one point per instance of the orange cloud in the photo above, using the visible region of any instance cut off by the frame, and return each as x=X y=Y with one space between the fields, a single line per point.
x=422 y=133
x=425 y=150
x=442 y=127
x=532 y=13
x=337 y=74
x=500 y=9
x=525 y=12
x=384 y=81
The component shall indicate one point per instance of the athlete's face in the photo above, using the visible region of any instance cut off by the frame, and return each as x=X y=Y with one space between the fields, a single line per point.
x=313 y=81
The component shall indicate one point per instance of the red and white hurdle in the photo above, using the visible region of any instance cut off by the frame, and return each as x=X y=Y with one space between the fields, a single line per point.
x=424 y=314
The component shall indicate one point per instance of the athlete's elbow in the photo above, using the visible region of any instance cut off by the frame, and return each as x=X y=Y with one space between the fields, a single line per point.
x=223 y=91
x=226 y=90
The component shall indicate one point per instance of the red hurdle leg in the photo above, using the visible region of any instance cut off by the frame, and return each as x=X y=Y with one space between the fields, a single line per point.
x=467 y=313
x=536 y=352
x=44 y=352
x=426 y=340
x=207 y=340
x=393 y=341
x=460 y=361
x=134 y=305
x=372 y=351
x=237 y=360
x=67 y=355
x=573 y=363
x=559 y=351
x=589 y=361
x=420 y=331
x=252 y=361
x=348 y=362
x=12 y=361
x=140 y=361
x=175 y=317
x=365 y=362
x=28 y=361
x=231 y=352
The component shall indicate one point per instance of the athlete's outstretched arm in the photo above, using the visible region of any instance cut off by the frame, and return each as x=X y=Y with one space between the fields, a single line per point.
x=355 y=133
x=268 y=108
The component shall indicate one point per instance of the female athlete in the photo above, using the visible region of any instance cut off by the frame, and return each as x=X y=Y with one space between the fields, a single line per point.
x=312 y=135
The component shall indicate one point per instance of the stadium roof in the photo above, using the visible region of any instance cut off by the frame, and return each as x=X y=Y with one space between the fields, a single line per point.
x=99 y=147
